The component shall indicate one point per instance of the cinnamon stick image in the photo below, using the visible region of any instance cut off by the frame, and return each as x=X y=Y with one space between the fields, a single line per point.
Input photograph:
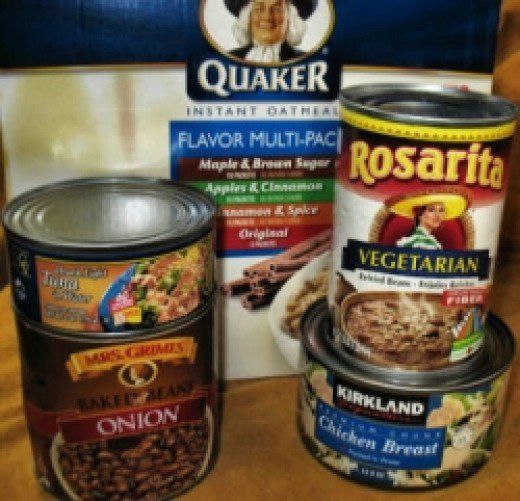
x=262 y=280
x=252 y=301
x=275 y=277
x=308 y=245
x=236 y=287
x=311 y=244
x=259 y=268
x=266 y=289
x=296 y=264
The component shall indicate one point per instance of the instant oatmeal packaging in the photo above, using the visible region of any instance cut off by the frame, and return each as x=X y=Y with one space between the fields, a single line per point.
x=236 y=97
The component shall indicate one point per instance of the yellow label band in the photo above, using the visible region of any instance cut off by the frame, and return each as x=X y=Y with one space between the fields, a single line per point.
x=427 y=132
x=181 y=350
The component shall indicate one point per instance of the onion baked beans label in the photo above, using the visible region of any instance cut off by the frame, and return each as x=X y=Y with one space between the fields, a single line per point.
x=136 y=416
x=116 y=295
x=417 y=217
x=181 y=350
x=131 y=422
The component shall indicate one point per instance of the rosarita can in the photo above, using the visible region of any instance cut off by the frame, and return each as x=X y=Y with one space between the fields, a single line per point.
x=420 y=192
x=110 y=254
x=127 y=415
x=401 y=429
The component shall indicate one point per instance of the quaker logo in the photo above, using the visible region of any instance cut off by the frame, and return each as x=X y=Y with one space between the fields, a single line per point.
x=266 y=49
x=379 y=405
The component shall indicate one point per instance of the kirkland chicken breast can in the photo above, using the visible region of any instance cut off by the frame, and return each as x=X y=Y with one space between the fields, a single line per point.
x=420 y=190
x=127 y=415
x=401 y=429
x=110 y=254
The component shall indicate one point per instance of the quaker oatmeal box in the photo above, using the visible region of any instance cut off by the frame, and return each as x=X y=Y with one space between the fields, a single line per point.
x=235 y=97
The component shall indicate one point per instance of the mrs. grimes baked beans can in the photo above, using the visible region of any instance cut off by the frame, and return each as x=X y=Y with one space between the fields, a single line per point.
x=110 y=254
x=400 y=429
x=123 y=416
x=420 y=191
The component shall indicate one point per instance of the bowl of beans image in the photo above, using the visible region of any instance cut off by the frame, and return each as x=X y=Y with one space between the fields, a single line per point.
x=153 y=465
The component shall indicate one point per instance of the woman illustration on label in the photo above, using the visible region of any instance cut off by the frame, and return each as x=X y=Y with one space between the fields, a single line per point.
x=427 y=219
x=428 y=211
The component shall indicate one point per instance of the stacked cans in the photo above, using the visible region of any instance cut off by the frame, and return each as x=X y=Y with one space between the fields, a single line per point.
x=113 y=290
x=405 y=381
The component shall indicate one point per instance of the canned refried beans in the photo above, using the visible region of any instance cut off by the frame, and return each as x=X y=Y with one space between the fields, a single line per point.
x=420 y=191
x=401 y=429
x=121 y=415
x=110 y=254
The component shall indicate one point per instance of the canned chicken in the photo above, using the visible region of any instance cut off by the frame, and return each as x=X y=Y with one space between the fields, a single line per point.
x=110 y=254
x=421 y=184
x=121 y=416
x=398 y=428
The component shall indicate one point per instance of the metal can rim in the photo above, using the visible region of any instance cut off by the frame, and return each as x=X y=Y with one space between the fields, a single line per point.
x=317 y=318
x=132 y=247
x=351 y=99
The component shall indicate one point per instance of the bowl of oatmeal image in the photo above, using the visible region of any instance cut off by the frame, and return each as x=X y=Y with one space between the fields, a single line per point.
x=303 y=289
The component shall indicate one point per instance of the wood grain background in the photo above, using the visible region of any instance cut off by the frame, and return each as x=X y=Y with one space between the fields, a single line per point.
x=506 y=82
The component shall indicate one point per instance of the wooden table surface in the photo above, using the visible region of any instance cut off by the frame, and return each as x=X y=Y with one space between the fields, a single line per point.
x=261 y=455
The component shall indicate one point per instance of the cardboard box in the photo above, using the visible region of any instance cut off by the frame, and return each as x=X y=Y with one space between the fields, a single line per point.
x=236 y=97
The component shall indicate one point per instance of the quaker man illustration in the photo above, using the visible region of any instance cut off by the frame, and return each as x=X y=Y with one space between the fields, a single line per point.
x=269 y=31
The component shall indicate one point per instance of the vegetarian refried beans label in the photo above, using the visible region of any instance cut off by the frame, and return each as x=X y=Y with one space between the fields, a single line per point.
x=418 y=212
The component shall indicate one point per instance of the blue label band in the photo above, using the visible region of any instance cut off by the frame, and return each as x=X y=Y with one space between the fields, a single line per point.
x=376 y=444
x=267 y=138
x=415 y=262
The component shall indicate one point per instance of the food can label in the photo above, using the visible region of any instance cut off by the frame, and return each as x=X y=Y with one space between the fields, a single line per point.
x=417 y=220
x=392 y=439
x=112 y=295
x=136 y=418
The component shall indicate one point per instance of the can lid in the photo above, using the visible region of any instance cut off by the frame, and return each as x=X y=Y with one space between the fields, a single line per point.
x=109 y=216
x=492 y=360
x=434 y=105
